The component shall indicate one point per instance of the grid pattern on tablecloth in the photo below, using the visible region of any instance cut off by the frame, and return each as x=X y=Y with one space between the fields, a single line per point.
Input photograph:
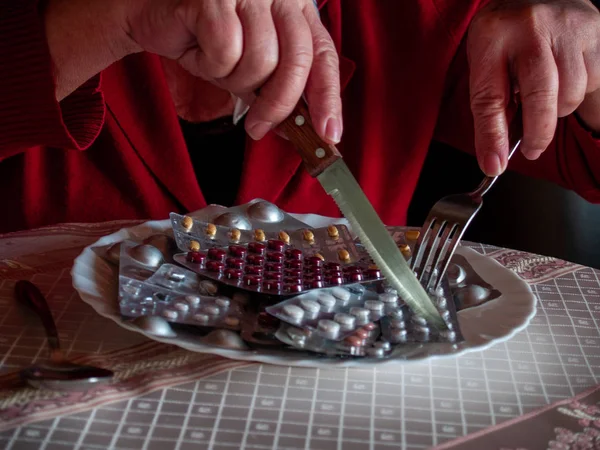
x=81 y=330
x=412 y=406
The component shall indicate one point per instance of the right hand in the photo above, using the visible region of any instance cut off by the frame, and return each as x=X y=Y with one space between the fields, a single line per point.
x=278 y=48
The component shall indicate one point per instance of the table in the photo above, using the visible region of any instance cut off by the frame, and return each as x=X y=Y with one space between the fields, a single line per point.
x=170 y=398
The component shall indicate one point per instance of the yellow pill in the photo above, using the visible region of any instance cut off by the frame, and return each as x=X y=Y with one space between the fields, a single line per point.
x=308 y=236
x=283 y=236
x=187 y=223
x=195 y=246
x=259 y=235
x=235 y=234
x=321 y=257
x=211 y=229
x=333 y=231
x=405 y=250
x=412 y=235
x=343 y=255
x=373 y=267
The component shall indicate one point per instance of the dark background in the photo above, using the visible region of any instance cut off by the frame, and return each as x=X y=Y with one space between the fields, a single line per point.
x=518 y=212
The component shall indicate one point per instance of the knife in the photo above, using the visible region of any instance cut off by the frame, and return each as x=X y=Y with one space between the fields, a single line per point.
x=324 y=162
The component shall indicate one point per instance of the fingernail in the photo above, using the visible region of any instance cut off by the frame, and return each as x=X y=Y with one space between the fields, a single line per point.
x=532 y=154
x=259 y=129
x=492 y=165
x=333 y=130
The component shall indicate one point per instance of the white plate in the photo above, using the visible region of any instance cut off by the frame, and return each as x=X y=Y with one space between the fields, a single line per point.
x=96 y=281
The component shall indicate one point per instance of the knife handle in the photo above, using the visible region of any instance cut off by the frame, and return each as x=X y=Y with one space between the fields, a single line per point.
x=317 y=154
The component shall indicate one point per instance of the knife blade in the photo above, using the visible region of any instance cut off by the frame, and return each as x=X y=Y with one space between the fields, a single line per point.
x=324 y=162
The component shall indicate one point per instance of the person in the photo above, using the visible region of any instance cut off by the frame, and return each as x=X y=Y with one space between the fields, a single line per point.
x=99 y=100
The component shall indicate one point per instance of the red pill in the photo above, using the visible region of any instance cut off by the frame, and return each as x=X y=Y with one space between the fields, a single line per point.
x=254 y=270
x=255 y=259
x=274 y=266
x=361 y=333
x=215 y=266
x=333 y=266
x=293 y=264
x=314 y=284
x=313 y=273
x=216 y=254
x=257 y=248
x=234 y=263
x=313 y=261
x=372 y=274
x=293 y=287
x=313 y=276
x=293 y=253
x=334 y=281
x=272 y=285
x=370 y=326
x=273 y=276
x=352 y=269
x=353 y=341
x=233 y=274
x=297 y=273
x=292 y=280
x=275 y=257
x=276 y=245
x=196 y=257
x=238 y=250
x=252 y=280
x=355 y=276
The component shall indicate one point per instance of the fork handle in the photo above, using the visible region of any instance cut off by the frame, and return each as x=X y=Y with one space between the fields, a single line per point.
x=514 y=141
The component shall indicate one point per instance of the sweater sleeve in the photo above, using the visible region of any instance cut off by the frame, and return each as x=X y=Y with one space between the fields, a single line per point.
x=572 y=160
x=30 y=115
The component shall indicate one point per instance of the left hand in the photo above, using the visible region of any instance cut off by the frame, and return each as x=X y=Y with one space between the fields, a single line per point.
x=547 y=51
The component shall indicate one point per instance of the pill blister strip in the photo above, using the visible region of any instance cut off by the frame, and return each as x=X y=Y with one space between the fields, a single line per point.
x=190 y=232
x=260 y=214
x=177 y=295
x=274 y=267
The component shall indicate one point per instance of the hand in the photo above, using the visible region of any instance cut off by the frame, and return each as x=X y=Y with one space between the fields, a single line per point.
x=278 y=47
x=547 y=52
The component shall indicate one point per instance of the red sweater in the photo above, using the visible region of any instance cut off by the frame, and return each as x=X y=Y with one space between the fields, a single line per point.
x=114 y=148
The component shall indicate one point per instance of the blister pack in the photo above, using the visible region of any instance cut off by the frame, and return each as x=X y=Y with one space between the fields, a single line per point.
x=277 y=265
x=365 y=341
x=257 y=214
x=174 y=293
x=190 y=309
x=334 y=313
x=402 y=325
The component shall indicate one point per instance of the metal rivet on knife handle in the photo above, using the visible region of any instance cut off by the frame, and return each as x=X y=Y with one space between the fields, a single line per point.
x=314 y=151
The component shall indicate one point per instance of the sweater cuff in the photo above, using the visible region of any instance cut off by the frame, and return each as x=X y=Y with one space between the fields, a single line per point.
x=30 y=115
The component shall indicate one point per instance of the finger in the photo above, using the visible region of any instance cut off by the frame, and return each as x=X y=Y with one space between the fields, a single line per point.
x=537 y=76
x=490 y=94
x=323 y=86
x=572 y=80
x=261 y=50
x=281 y=93
x=220 y=41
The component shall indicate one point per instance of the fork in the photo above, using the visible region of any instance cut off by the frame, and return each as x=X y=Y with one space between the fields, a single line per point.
x=447 y=222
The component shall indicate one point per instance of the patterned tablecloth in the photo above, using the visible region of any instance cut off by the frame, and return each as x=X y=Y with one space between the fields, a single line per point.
x=170 y=398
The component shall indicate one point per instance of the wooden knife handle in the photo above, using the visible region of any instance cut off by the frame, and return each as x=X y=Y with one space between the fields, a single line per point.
x=314 y=151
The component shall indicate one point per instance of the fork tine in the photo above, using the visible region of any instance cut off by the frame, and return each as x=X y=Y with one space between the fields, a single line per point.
x=458 y=233
x=432 y=243
x=441 y=248
x=418 y=250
